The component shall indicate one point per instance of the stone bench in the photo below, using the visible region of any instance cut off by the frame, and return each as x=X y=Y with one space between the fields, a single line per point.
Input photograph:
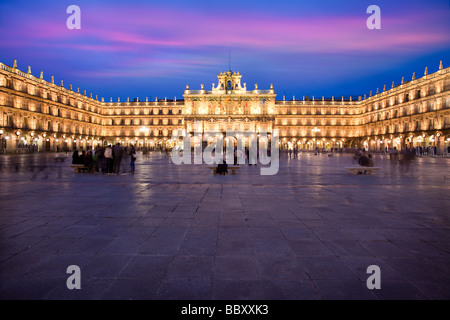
x=369 y=170
x=79 y=168
x=232 y=168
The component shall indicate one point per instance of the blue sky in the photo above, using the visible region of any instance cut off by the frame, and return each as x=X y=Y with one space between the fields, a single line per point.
x=154 y=48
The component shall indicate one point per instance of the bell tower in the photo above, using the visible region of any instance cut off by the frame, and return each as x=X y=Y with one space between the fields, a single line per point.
x=229 y=82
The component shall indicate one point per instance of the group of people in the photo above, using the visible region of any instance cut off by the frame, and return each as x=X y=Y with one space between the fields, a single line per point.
x=222 y=168
x=106 y=160
x=364 y=160
x=293 y=152
x=394 y=153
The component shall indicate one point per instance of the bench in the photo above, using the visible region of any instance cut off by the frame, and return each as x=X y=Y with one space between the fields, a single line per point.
x=60 y=159
x=232 y=168
x=369 y=170
x=79 y=168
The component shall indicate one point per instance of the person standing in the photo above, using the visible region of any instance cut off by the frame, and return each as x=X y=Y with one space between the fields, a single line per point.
x=117 y=156
x=133 y=156
x=75 y=157
x=109 y=159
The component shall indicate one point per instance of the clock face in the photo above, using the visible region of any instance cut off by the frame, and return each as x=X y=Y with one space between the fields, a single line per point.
x=202 y=110
x=255 y=110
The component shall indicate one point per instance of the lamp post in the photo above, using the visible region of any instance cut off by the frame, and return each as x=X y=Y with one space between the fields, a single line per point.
x=315 y=130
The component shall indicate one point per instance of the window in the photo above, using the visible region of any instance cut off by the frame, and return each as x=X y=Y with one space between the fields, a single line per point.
x=170 y=111
x=160 y=111
x=9 y=120
x=179 y=111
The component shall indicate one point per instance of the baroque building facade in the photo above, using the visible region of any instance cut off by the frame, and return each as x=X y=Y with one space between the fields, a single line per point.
x=45 y=116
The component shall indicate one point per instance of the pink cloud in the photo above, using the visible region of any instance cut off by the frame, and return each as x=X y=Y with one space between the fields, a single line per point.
x=140 y=31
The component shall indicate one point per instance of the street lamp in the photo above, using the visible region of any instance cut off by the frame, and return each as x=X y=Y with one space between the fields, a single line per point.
x=315 y=130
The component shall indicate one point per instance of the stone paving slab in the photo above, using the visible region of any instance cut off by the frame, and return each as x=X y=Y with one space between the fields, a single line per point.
x=178 y=232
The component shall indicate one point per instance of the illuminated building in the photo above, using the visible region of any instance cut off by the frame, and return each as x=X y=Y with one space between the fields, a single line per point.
x=51 y=116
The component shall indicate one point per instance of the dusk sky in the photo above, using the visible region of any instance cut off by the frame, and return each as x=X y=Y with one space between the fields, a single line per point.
x=154 y=48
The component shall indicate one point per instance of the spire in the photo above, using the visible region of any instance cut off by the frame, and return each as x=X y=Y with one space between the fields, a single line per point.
x=62 y=83
x=414 y=76
x=384 y=88
x=441 y=66
x=29 y=69
x=403 y=80
x=15 y=64
x=53 y=79
x=426 y=71
x=42 y=75
x=393 y=85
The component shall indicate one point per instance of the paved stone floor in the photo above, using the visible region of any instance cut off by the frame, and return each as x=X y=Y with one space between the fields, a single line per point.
x=179 y=232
